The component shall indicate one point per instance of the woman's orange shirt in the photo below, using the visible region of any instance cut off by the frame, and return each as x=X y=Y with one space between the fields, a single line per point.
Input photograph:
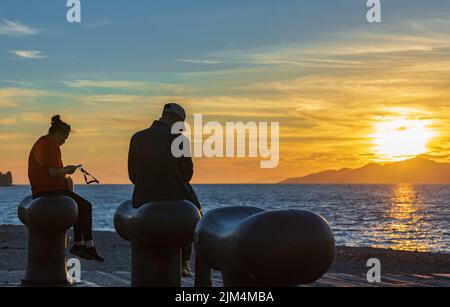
x=44 y=155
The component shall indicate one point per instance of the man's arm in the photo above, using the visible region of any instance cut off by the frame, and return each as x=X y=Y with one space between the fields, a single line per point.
x=185 y=162
x=131 y=172
x=187 y=168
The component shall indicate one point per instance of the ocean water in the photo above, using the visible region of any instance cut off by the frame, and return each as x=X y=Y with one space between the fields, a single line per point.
x=402 y=217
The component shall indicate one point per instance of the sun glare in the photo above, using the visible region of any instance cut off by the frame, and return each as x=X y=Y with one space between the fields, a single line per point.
x=401 y=138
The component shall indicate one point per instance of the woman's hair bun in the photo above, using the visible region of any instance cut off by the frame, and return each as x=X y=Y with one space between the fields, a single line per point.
x=56 y=119
x=58 y=125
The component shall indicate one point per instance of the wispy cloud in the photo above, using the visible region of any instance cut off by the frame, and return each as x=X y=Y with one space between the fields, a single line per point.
x=97 y=24
x=205 y=62
x=12 y=96
x=14 y=136
x=28 y=54
x=33 y=117
x=108 y=84
x=7 y=121
x=29 y=117
x=15 y=28
x=19 y=83
x=152 y=88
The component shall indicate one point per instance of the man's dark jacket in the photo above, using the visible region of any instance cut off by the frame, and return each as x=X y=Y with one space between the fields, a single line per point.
x=154 y=171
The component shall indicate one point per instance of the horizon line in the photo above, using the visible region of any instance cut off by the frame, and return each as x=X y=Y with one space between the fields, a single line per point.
x=273 y=183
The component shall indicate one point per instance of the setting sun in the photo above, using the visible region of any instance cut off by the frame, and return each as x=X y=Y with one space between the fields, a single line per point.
x=401 y=138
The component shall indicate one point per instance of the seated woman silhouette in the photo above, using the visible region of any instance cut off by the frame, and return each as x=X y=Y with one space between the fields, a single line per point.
x=48 y=177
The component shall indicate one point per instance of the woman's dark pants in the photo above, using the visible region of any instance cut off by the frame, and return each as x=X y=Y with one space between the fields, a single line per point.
x=82 y=230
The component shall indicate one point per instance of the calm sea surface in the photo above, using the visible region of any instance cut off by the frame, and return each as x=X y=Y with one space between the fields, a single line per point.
x=405 y=217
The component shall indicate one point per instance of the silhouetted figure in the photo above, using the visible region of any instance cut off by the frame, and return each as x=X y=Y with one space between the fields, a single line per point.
x=49 y=177
x=156 y=174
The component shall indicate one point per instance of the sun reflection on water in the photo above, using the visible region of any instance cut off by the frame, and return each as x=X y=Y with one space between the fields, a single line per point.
x=406 y=219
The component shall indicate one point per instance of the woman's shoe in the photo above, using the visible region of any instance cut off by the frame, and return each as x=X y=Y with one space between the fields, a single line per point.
x=79 y=251
x=92 y=252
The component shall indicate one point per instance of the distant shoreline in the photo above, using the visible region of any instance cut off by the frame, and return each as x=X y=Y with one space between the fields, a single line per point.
x=260 y=184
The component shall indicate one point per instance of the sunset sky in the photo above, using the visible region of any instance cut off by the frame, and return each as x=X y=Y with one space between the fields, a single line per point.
x=345 y=92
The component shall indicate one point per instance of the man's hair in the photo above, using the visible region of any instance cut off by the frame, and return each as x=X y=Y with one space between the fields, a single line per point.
x=173 y=109
x=170 y=114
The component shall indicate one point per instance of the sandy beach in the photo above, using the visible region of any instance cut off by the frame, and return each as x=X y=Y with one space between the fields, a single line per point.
x=348 y=260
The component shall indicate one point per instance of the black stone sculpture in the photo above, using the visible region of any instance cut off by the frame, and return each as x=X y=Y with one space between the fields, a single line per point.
x=253 y=247
x=157 y=232
x=47 y=219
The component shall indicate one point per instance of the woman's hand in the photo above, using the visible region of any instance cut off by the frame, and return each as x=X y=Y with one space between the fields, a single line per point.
x=62 y=172
x=70 y=184
x=69 y=170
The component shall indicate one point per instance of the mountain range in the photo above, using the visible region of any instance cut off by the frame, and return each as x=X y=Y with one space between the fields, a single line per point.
x=417 y=171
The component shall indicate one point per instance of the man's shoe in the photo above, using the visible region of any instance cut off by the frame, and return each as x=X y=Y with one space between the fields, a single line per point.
x=79 y=251
x=92 y=252
x=186 y=269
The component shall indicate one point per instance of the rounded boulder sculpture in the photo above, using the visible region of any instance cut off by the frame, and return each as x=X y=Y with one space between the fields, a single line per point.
x=47 y=219
x=157 y=232
x=254 y=247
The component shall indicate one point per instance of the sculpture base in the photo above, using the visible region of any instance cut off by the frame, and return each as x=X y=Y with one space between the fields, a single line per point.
x=46 y=260
x=60 y=283
x=155 y=266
